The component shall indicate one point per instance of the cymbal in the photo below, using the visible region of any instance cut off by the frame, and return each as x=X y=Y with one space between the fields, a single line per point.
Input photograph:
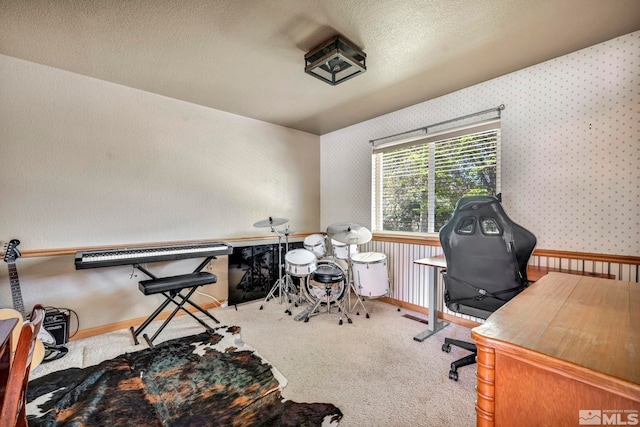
x=286 y=231
x=271 y=222
x=349 y=233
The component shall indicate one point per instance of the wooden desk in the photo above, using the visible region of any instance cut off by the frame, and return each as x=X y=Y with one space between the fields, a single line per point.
x=6 y=327
x=435 y=325
x=567 y=346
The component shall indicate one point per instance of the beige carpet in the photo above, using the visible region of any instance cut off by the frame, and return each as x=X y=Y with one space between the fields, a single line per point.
x=371 y=369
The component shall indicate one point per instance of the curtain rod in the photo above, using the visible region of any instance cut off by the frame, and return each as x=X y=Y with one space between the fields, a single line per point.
x=425 y=128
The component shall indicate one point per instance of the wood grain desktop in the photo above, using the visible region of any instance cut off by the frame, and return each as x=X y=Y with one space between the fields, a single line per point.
x=566 y=347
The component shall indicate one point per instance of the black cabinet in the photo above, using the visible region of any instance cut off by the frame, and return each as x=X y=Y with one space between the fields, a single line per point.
x=253 y=270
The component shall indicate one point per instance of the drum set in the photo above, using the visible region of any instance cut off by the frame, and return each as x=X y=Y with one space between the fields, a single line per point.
x=326 y=271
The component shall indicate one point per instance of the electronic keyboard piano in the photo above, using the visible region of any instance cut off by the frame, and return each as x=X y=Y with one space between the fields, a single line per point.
x=131 y=256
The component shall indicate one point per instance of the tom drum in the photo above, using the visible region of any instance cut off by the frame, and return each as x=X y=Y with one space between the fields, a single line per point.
x=316 y=244
x=342 y=251
x=370 y=274
x=300 y=262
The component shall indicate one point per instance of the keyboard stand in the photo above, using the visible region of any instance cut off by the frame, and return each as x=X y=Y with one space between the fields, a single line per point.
x=171 y=287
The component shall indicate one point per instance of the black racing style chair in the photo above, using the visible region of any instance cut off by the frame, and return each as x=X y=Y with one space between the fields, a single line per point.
x=487 y=256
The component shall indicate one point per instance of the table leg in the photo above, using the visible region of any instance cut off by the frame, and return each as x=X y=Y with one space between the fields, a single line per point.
x=434 y=324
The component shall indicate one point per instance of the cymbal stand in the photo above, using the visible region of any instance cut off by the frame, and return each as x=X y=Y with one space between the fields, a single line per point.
x=289 y=287
x=353 y=287
x=279 y=285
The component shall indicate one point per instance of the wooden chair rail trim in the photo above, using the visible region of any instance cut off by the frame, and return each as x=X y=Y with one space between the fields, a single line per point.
x=31 y=253
x=386 y=237
x=551 y=253
x=588 y=256
x=416 y=239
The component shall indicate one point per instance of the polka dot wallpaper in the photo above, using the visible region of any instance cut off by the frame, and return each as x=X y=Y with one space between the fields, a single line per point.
x=570 y=149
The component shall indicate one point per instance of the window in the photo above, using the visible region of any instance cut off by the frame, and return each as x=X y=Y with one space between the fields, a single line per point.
x=417 y=182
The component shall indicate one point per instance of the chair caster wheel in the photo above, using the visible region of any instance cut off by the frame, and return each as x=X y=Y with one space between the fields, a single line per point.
x=260 y=307
x=288 y=312
x=367 y=316
x=306 y=319
x=349 y=320
x=340 y=322
x=453 y=375
x=446 y=348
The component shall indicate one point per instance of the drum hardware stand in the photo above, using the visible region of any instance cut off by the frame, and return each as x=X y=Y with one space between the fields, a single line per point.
x=352 y=286
x=392 y=293
x=297 y=294
x=290 y=290
x=307 y=313
x=280 y=285
x=350 y=234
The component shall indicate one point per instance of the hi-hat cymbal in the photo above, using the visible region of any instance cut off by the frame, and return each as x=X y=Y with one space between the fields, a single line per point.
x=349 y=233
x=286 y=231
x=271 y=222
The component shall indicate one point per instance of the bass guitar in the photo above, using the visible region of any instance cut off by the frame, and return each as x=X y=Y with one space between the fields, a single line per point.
x=11 y=253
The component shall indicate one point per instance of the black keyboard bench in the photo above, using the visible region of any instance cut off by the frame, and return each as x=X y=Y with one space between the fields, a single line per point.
x=171 y=287
x=172 y=283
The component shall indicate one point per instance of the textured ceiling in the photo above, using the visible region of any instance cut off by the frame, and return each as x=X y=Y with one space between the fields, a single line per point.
x=247 y=57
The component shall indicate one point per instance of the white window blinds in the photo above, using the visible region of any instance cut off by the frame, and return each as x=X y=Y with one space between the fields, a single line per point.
x=417 y=182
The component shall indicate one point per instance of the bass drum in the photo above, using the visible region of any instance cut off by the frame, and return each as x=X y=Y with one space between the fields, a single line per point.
x=328 y=275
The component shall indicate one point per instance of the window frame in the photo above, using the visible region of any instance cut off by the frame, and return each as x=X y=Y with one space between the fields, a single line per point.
x=430 y=140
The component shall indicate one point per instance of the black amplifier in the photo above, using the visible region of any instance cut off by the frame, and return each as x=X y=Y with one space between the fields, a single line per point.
x=56 y=322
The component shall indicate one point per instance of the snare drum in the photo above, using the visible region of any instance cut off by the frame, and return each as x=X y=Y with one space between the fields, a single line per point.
x=300 y=262
x=328 y=276
x=315 y=243
x=341 y=251
x=370 y=274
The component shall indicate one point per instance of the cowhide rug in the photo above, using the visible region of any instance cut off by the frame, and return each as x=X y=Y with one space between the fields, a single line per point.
x=210 y=379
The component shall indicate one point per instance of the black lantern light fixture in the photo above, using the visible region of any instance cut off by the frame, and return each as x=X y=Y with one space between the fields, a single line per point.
x=335 y=61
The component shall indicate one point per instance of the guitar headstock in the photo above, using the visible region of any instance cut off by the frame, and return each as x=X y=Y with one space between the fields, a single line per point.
x=11 y=252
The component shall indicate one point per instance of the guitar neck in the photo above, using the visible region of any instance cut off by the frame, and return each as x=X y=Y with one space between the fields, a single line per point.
x=16 y=294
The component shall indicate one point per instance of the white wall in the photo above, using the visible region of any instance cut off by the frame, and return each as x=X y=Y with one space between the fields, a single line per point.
x=570 y=149
x=84 y=162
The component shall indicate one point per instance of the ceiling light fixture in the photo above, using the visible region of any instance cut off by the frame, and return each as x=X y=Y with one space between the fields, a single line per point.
x=335 y=61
